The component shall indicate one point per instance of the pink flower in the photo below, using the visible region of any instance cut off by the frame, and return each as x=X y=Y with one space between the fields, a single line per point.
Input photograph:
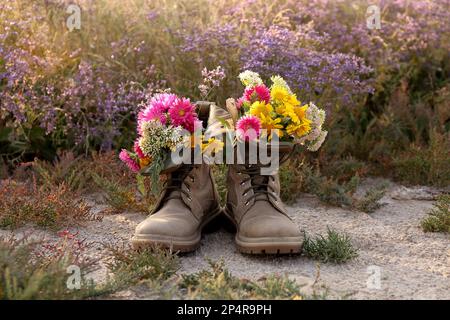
x=138 y=149
x=198 y=125
x=157 y=108
x=259 y=93
x=182 y=113
x=239 y=102
x=130 y=162
x=248 y=128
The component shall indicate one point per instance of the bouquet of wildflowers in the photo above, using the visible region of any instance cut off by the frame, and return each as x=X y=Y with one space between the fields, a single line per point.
x=164 y=124
x=167 y=124
x=276 y=107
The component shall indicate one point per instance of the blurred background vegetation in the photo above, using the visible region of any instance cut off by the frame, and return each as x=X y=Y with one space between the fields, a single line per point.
x=386 y=91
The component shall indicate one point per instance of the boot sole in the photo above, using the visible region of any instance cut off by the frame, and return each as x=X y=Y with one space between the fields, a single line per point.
x=175 y=244
x=261 y=246
x=269 y=245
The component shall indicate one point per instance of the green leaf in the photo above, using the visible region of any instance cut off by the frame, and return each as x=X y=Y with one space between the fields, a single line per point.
x=4 y=134
x=141 y=184
x=223 y=122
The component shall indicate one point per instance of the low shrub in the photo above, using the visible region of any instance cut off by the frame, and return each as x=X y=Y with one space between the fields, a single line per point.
x=438 y=219
x=333 y=247
x=22 y=203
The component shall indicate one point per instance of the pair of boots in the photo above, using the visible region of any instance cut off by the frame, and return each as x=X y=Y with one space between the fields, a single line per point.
x=190 y=201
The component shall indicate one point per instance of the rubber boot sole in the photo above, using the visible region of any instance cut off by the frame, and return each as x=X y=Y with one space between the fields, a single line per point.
x=185 y=244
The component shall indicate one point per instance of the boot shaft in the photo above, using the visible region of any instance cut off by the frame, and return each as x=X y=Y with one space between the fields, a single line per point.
x=194 y=185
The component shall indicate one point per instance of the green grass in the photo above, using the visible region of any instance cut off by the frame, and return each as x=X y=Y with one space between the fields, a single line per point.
x=438 y=219
x=298 y=176
x=121 y=197
x=220 y=176
x=39 y=270
x=131 y=267
x=219 y=283
x=371 y=200
x=425 y=165
x=30 y=271
x=52 y=208
x=333 y=247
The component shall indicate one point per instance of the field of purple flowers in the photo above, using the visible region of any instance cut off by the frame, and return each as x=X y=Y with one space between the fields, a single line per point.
x=386 y=91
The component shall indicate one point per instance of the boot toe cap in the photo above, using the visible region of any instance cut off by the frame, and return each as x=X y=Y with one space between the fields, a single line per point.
x=278 y=226
x=159 y=226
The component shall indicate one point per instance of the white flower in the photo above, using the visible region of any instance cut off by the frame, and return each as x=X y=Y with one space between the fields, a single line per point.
x=250 y=78
x=280 y=82
x=156 y=138
x=315 y=115
x=203 y=89
x=317 y=143
x=176 y=137
x=315 y=138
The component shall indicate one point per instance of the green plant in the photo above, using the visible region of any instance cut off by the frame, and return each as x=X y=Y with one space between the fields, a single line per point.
x=438 y=219
x=122 y=198
x=220 y=175
x=33 y=270
x=334 y=247
x=66 y=169
x=370 y=202
x=299 y=176
x=219 y=283
x=131 y=267
x=425 y=165
x=21 y=203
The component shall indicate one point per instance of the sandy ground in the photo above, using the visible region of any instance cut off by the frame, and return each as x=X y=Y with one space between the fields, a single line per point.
x=396 y=259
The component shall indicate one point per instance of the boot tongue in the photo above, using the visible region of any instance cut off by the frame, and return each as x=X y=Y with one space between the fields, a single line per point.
x=176 y=181
x=261 y=180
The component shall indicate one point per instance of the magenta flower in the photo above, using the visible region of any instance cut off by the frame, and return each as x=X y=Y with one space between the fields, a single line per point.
x=129 y=161
x=157 y=108
x=239 y=102
x=198 y=125
x=182 y=113
x=257 y=93
x=138 y=150
x=248 y=128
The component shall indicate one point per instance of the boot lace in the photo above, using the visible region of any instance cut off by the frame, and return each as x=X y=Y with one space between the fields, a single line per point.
x=176 y=182
x=258 y=183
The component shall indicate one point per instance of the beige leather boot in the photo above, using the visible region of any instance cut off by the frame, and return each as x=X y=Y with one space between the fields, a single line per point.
x=188 y=202
x=255 y=207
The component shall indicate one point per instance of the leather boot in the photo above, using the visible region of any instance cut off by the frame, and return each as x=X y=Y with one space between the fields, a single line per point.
x=188 y=202
x=255 y=207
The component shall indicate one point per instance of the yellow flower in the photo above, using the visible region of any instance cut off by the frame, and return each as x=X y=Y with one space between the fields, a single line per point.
x=212 y=146
x=270 y=124
x=279 y=94
x=260 y=107
x=299 y=129
x=287 y=110
x=300 y=114
x=293 y=100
